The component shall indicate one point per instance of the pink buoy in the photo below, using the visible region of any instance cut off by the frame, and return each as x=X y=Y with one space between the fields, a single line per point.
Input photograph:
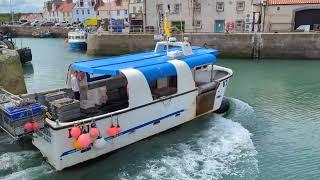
x=112 y=131
x=35 y=126
x=75 y=132
x=27 y=127
x=84 y=140
x=94 y=133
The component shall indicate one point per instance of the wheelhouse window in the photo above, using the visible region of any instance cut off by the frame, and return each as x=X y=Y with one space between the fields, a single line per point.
x=163 y=87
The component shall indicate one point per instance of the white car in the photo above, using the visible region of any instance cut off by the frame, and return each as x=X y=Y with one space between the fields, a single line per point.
x=63 y=24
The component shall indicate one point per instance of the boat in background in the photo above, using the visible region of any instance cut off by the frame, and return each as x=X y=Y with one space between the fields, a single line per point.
x=77 y=39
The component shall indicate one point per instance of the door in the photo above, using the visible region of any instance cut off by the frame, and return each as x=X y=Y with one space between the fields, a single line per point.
x=219 y=26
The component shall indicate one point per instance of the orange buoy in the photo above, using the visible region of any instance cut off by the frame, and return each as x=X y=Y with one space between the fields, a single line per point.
x=76 y=144
x=27 y=127
x=84 y=140
x=94 y=133
x=35 y=126
x=75 y=132
x=112 y=131
x=118 y=129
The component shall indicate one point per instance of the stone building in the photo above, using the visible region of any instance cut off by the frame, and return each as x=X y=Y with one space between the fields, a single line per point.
x=288 y=15
x=65 y=11
x=115 y=9
x=136 y=16
x=201 y=15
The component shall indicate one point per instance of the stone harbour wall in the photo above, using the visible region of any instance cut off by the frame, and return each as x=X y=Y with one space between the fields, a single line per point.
x=26 y=31
x=242 y=45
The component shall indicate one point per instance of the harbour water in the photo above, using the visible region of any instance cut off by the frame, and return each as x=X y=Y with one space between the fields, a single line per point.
x=271 y=132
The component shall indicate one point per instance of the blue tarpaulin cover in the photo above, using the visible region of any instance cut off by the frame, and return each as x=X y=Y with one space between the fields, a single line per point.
x=152 y=65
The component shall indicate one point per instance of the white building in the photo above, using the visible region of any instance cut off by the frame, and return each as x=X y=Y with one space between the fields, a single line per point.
x=201 y=15
x=84 y=9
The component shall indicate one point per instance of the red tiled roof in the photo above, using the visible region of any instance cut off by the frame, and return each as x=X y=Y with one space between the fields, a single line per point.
x=66 y=7
x=31 y=17
x=290 y=2
x=114 y=6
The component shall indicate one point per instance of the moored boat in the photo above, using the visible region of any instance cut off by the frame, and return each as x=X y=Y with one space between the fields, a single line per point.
x=123 y=100
x=77 y=40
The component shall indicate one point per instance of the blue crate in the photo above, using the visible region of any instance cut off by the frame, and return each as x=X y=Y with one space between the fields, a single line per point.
x=14 y=114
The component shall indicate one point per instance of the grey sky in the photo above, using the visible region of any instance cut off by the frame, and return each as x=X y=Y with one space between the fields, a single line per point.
x=21 y=6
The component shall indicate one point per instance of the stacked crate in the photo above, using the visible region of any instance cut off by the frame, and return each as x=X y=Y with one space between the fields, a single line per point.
x=65 y=109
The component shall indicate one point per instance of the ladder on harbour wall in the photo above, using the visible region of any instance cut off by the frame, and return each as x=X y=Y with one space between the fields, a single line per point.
x=256 y=43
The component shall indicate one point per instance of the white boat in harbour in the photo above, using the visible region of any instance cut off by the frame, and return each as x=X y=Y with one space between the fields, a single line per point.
x=123 y=100
x=77 y=39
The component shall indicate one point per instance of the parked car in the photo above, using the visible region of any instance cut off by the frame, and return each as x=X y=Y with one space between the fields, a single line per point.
x=63 y=24
x=26 y=24
x=35 y=23
x=47 y=24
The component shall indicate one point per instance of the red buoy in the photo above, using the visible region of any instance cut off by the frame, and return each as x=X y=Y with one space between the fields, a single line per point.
x=75 y=132
x=84 y=140
x=27 y=127
x=35 y=126
x=94 y=133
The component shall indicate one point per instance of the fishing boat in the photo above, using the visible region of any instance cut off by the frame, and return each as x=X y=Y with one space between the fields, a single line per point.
x=123 y=100
x=77 y=39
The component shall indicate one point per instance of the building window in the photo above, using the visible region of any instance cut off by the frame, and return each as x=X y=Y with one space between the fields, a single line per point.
x=278 y=8
x=88 y=11
x=177 y=8
x=198 y=24
x=63 y=14
x=77 y=11
x=82 y=12
x=134 y=9
x=140 y=10
x=118 y=12
x=220 y=6
x=125 y=12
x=239 y=25
x=81 y=3
x=160 y=8
x=240 y=6
x=197 y=7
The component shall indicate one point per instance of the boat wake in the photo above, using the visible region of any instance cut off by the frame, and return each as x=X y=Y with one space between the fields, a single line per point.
x=223 y=150
x=20 y=165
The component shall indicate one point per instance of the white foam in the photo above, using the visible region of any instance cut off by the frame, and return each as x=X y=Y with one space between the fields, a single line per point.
x=224 y=149
x=21 y=165
x=29 y=173
x=13 y=160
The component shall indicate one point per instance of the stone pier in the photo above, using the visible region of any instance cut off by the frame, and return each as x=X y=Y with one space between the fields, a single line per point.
x=11 y=72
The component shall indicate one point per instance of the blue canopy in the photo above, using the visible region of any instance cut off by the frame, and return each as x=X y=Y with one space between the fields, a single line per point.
x=152 y=65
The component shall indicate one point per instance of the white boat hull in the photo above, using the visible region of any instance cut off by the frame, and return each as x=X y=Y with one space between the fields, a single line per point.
x=136 y=124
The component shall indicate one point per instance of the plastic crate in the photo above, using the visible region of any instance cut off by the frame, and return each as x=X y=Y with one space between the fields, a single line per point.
x=15 y=114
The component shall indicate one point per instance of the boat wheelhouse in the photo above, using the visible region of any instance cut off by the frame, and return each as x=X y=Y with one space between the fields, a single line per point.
x=128 y=98
x=77 y=39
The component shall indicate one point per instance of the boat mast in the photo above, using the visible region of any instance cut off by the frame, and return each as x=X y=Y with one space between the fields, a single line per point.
x=11 y=11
